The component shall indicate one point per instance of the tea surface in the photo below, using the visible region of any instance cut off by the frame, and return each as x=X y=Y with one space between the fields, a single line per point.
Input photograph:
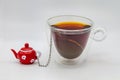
x=71 y=25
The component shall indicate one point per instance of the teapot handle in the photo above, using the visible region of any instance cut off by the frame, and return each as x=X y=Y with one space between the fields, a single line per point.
x=38 y=54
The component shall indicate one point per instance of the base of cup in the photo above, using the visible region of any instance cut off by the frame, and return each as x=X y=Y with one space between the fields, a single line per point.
x=77 y=62
x=70 y=62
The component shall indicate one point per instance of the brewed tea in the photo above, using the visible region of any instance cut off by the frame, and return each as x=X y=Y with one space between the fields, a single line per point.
x=70 y=46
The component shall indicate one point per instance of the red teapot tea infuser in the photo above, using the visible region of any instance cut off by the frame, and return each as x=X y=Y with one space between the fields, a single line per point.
x=27 y=55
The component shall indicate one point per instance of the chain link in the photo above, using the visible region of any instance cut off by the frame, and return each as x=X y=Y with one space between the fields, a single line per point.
x=49 y=57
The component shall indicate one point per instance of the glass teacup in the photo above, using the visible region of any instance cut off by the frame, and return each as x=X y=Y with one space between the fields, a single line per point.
x=70 y=38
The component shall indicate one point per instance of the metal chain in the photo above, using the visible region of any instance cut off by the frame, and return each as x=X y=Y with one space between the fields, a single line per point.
x=49 y=57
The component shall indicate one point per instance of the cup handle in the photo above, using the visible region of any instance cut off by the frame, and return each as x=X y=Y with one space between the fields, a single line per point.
x=99 y=34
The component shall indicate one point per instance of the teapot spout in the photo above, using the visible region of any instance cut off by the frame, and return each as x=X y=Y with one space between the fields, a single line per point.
x=14 y=52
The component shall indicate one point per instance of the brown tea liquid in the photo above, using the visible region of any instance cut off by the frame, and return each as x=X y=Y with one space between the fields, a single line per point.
x=70 y=46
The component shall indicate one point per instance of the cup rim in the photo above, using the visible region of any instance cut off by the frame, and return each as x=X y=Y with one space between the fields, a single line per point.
x=76 y=30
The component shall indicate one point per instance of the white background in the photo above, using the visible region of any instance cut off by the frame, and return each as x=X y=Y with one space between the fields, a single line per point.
x=26 y=21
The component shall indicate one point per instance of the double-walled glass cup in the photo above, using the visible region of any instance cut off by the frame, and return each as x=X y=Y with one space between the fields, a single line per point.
x=70 y=44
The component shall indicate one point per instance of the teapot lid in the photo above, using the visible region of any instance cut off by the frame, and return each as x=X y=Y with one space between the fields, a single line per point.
x=26 y=47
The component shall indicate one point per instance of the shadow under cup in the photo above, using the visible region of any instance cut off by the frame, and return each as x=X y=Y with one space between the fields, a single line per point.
x=70 y=36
